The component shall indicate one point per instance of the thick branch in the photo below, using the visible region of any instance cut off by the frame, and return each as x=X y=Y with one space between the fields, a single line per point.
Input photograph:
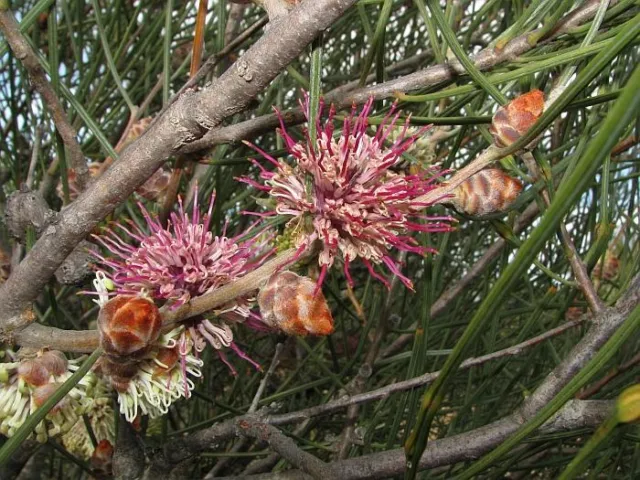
x=182 y=123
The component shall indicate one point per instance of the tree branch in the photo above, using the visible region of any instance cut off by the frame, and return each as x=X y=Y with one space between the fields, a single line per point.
x=285 y=447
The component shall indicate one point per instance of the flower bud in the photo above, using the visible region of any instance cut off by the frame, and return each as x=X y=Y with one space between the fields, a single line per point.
x=628 y=405
x=128 y=324
x=54 y=361
x=291 y=303
x=33 y=372
x=513 y=120
x=165 y=360
x=488 y=191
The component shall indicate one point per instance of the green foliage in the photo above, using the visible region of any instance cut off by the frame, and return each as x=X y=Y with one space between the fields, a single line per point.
x=112 y=60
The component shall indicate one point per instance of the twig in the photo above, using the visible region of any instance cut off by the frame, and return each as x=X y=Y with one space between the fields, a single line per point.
x=263 y=383
x=422 y=380
x=600 y=384
x=467 y=446
x=470 y=445
x=213 y=60
x=34 y=157
x=128 y=457
x=29 y=59
x=285 y=447
x=440 y=305
x=359 y=382
x=460 y=447
x=577 y=265
x=38 y=336
x=252 y=409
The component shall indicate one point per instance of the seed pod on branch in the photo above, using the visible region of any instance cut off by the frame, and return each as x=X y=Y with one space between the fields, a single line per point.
x=488 y=191
x=513 y=120
x=128 y=325
x=295 y=305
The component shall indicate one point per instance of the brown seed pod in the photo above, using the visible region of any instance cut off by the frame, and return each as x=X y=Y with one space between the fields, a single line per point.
x=156 y=186
x=287 y=302
x=488 y=191
x=608 y=268
x=513 y=120
x=128 y=325
x=26 y=209
x=33 y=372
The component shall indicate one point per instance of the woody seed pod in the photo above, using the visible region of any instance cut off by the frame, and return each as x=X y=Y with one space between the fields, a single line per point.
x=287 y=302
x=128 y=325
x=488 y=191
x=513 y=120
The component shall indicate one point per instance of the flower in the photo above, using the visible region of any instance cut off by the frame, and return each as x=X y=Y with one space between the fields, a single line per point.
x=101 y=419
x=181 y=261
x=28 y=383
x=343 y=192
x=174 y=264
x=160 y=378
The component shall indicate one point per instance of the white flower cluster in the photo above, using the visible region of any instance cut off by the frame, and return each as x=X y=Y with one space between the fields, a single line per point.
x=25 y=384
x=162 y=377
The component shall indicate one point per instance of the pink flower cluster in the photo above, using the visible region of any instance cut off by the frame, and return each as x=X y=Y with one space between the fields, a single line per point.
x=179 y=262
x=182 y=261
x=343 y=192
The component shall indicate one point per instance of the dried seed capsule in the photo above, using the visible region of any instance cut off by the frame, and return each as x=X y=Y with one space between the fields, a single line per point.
x=287 y=302
x=127 y=325
x=27 y=209
x=488 y=191
x=512 y=121
x=77 y=266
